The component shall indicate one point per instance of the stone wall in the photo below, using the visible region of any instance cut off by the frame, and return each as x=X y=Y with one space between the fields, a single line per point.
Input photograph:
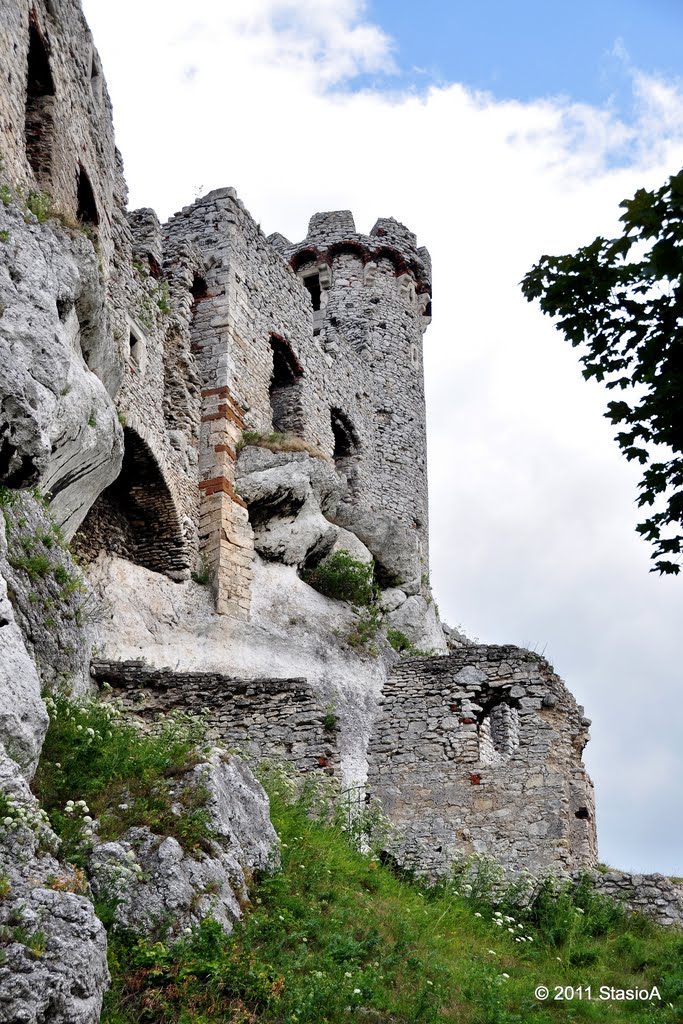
x=479 y=752
x=654 y=895
x=262 y=718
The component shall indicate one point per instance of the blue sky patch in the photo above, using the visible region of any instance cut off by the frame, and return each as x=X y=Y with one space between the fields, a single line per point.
x=536 y=48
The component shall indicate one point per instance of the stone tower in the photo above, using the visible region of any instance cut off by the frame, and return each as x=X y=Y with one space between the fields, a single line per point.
x=371 y=303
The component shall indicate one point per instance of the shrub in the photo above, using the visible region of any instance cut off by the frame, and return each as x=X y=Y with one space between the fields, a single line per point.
x=40 y=204
x=8 y=497
x=33 y=565
x=342 y=577
x=400 y=642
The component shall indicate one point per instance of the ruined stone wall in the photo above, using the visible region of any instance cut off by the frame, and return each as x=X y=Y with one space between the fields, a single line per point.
x=654 y=895
x=479 y=752
x=248 y=304
x=56 y=113
x=263 y=718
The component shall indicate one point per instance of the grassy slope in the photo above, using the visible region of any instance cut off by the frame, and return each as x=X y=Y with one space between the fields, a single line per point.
x=336 y=936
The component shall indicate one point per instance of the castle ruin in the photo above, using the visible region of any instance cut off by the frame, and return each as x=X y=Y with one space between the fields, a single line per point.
x=145 y=364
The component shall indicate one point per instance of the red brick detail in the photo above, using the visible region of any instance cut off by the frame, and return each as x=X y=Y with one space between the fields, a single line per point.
x=475 y=779
x=220 y=484
x=224 y=412
x=226 y=448
x=468 y=721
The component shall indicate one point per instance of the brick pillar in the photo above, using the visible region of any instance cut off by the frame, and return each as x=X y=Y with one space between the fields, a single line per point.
x=225 y=536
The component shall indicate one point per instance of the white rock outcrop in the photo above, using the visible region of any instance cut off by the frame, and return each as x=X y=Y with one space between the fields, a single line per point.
x=23 y=717
x=55 y=948
x=158 y=887
x=417 y=619
x=289 y=495
x=58 y=423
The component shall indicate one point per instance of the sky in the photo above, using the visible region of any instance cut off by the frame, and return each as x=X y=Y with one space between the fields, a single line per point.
x=497 y=132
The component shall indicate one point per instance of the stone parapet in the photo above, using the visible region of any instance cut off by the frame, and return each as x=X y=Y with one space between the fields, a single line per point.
x=279 y=719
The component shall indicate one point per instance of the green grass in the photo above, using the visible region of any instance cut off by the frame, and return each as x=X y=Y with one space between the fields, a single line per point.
x=335 y=937
x=276 y=441
x=125 y=777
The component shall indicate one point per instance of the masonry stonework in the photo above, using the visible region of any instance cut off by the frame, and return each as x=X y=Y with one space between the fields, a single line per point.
x=261 y=718
x=479 y=752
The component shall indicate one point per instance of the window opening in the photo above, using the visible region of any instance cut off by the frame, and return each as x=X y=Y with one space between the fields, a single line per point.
x=312 y=282
x=39 y=115
x=346 y=448
x=498 y=733
x=285 y=389
x=86 y=210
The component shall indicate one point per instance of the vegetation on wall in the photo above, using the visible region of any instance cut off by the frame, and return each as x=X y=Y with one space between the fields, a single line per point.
x=280 y=442
x=344 y=578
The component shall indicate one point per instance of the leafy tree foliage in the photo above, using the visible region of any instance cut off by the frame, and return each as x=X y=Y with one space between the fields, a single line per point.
x=622 y=300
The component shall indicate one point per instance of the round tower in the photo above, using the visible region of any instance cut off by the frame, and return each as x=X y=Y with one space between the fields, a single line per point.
x=371 y=299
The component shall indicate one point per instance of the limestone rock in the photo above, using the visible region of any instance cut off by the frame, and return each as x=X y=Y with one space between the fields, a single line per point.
x=66 y=982
x=455 y=638
x=392 y=599
x=347 y=541
x=56 y=967
x=289 y=494
x=261 y=472
x=157 y=884
x=298 y=541
x=418 y=620
x=23 y=718
x=58 y=424
x=393 y=545
x=56 y=639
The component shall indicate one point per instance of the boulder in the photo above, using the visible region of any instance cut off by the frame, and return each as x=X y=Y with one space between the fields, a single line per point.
x=289 y=495
x=417 y=619
x=393 y=545
x=52 y=603
x=392 y=599
x=157 y=885
x=347 y=541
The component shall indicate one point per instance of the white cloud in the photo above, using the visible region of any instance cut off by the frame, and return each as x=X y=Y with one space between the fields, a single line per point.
x=532 y=507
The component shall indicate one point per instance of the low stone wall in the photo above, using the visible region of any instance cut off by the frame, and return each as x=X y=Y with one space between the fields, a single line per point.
x=479 y=752
x=262 y=718
x=655 y=895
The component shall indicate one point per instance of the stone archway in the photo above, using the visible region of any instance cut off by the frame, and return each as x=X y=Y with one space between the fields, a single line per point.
x=136 y=517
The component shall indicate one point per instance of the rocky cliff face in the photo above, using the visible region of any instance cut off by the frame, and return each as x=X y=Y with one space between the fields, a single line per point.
x=58 y=424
